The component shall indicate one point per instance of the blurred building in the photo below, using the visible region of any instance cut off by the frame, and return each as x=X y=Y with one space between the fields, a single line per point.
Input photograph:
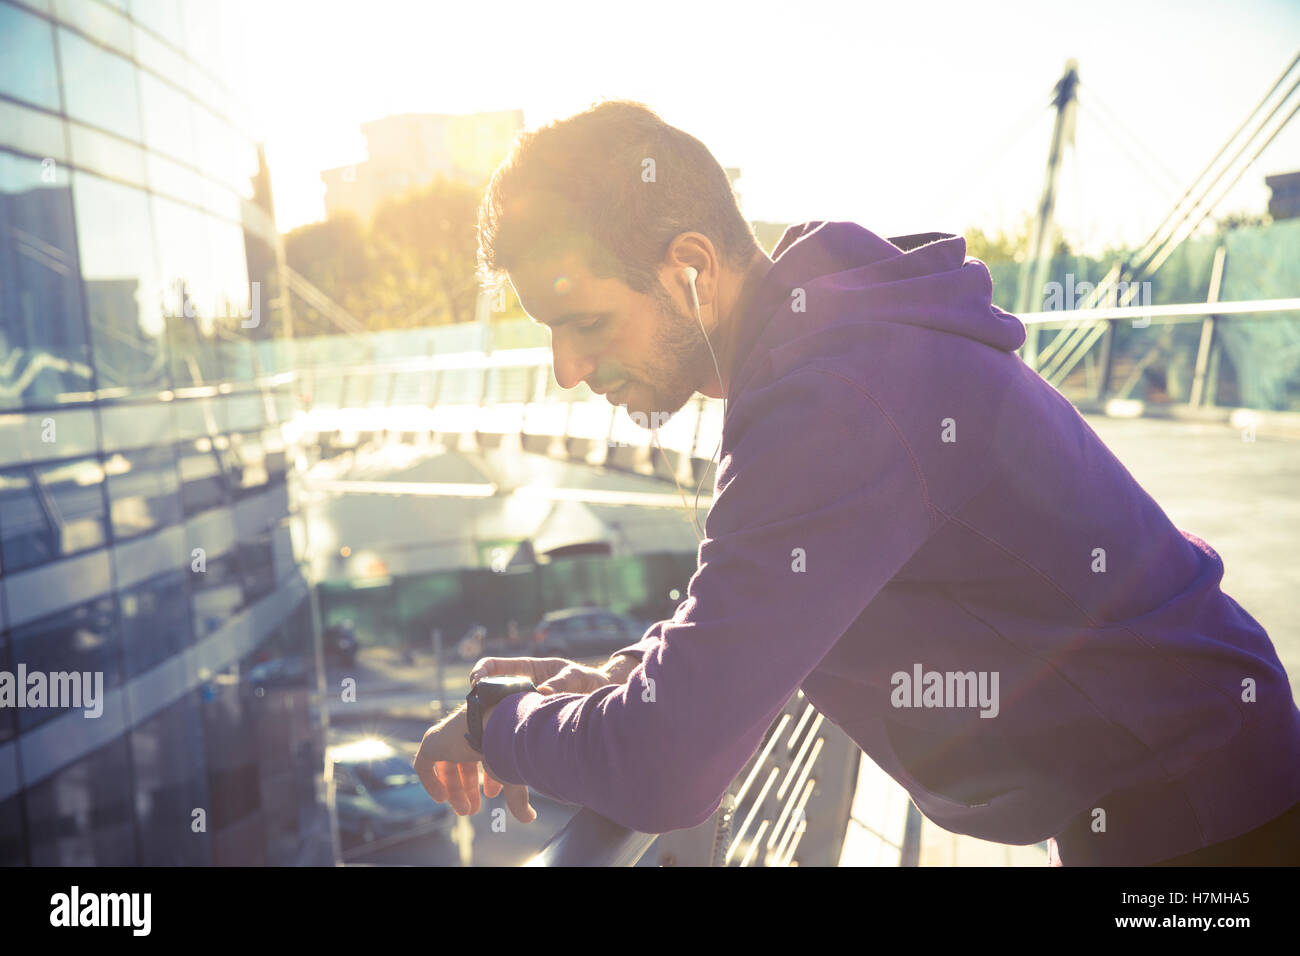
x=413 y=149
x=1285 y=200
x=146 y=528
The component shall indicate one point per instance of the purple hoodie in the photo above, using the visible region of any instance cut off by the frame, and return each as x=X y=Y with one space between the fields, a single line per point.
x=900 y=494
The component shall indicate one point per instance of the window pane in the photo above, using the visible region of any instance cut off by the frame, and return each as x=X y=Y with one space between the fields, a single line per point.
x=166 y=115
x=8 y=723
x=232 y=306
x=44 y=358
x=256 y=567
x=203 y=481
x=190 y=289
x=217 y=594
x=13 y=842
x=64 y=516
x=100 y=86
x=83 y=638
x=163 y=17
x=231 y=750
x=167 y=754
x=24 y=528
x=124 y=294
x=144 y=489
x=250 y=475
x=155 y=621
x=82 y=815
x=27 y=58
x=74 y=495
x=107 y=26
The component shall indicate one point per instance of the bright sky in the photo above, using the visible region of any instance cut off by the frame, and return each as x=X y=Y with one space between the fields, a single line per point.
x=902 y=117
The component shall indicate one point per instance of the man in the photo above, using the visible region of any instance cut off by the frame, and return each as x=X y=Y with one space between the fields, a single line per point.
x=906 y=518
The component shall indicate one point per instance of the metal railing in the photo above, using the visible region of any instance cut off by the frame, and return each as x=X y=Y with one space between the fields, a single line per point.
x=789 y=806
x=1079 y=330
x=511 y=392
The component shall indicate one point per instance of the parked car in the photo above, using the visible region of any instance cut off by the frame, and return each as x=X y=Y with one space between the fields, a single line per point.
x=377 y=794
x=584 y=632
x=340 y=644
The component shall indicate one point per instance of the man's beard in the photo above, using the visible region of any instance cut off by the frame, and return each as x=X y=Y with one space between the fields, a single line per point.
x=681 y=365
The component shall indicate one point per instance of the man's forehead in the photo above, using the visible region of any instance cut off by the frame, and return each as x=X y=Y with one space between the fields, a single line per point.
x=552 y=289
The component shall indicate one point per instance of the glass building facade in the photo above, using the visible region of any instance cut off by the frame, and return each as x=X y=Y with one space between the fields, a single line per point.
x=147 y=524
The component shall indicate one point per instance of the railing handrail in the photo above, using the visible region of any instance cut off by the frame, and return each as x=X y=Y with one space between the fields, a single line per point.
x=1193 y=309
x=592 y=840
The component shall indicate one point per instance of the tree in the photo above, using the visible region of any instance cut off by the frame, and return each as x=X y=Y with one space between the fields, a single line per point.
x=1011 y=247
x=413 y=265
x=336 y=257
x=425 y=245
x=1241 y=220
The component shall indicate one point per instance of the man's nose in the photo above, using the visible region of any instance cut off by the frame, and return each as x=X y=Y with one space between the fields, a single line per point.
x=571 y=367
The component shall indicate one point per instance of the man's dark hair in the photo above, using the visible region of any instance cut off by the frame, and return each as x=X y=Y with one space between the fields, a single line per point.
x=579 y=185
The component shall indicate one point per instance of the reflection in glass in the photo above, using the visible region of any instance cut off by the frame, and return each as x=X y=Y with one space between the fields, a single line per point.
x=100 y=86
x=276 y=677
x=82 y=816
x=203 y=475
x=167 y=757
x=44 y=358
x=82 y=638
x=124 y=296
x=217 y=594
x=234 y=791
x=233 y=302
x=13 y=842
x=155 y=621
x=27 y=58
x=191 y=294
x=144 y=490
x=163 y=17
x=166 y=115
x=8 y=723
x=51 y=512
x=256 y=559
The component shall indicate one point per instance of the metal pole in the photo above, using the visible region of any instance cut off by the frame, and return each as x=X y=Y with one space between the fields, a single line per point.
x=1207 y=330
x=1103 y=364
x=1036 y=265
x=910 y=854
x=438 y=668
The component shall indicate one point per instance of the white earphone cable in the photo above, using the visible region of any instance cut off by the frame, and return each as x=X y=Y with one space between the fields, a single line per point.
x=693 y=512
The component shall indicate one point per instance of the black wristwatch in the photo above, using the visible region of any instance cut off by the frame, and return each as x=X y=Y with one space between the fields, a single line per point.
x=487 y=692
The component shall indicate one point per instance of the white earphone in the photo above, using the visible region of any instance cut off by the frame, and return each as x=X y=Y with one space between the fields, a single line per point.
x=691 y=275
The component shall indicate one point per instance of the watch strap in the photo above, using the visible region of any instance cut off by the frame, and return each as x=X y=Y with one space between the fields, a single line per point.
x=486 y=693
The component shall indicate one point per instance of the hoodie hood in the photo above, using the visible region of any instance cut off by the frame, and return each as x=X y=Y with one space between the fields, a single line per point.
x=924 y=280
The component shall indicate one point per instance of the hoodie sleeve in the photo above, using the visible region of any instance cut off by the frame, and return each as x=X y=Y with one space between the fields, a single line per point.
x=638 y=649
x=819 y=503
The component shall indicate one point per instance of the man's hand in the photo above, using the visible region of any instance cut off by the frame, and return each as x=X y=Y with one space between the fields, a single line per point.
x=448 y=766
x=550 y=675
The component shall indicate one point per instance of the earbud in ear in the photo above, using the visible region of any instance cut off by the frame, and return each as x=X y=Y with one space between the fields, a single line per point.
x=691 y=275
